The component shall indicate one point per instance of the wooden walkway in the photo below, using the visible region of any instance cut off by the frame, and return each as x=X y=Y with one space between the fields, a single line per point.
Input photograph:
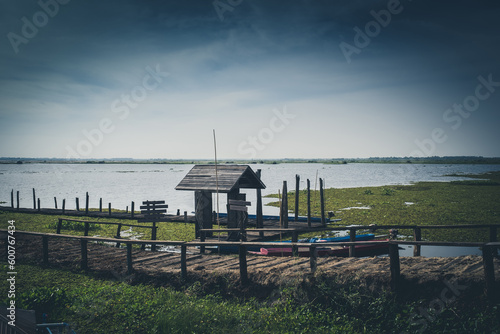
x=65 y=253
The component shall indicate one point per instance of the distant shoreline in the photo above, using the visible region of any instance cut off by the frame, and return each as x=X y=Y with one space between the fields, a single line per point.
x=340 y=161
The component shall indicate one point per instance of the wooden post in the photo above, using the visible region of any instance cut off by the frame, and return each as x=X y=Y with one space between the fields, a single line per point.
x=295 y=239
x=83 y=244
x=313 y=254
x=34 y=199
x=109 y=209
x=64 y=206
x=132 y=209
x=493 y=234
x=130 y=268
x=59 y=225
x=352 y=238
x=153 y=237
x=183 y=263
x=118 y=230
x=87 y=203
x=322 y=200
x=308 y=203
x=18 y=199
x=100 y=204
x=38 y=205
x=259 y=217
x=395 y=267
x=297 y=187
x=55 y=202
x=77 y=201
x=243 y=264
x=417 y=236
x=203 y=209
x=186 y=218
x=45 y=249
x=86 y=231
x=12 y=199
x=284 y=204
x=489 y=272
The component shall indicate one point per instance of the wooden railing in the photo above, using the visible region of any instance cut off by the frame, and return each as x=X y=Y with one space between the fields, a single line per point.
x=118 y=228
x=417 y=232
x=487 y=253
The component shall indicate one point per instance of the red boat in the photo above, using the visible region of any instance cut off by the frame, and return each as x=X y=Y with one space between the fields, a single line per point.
x=343 y=251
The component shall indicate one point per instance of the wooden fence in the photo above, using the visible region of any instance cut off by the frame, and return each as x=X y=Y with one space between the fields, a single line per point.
x=118 y=228
x=487 y=253
x=417 y=232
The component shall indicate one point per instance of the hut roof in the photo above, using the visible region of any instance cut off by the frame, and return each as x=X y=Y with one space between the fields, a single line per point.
x=202 y=177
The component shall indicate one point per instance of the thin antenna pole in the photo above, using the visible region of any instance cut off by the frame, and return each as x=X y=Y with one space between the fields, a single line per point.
x=216 y=181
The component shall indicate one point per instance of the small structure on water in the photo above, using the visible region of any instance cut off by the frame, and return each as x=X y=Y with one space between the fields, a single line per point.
x=205 y=180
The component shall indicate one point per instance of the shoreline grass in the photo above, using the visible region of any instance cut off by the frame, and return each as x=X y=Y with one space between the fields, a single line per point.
x=475 y=201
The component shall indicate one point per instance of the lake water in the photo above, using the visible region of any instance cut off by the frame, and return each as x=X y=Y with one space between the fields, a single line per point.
x=120 y=184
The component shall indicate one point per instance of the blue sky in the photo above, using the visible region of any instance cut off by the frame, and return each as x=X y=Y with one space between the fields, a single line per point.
x=275 y=79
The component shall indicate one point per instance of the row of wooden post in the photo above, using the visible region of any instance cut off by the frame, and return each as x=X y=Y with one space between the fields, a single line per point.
x=395 y=269
x=284 y=202
x=36 y=203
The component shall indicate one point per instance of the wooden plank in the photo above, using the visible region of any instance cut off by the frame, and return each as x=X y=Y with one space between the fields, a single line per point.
x=238 y=208
x=239 y=202
x=155 y=211
x=153 y=202
x=151 y=207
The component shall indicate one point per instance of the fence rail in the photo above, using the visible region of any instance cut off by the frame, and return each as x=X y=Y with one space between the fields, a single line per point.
x=487 y=253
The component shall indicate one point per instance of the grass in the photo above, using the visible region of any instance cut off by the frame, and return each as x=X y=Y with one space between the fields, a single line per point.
x=48 y=223
x=434 y=203
x=93 y=305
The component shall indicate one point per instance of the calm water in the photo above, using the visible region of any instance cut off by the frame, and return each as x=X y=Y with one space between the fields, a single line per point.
x=122 y=183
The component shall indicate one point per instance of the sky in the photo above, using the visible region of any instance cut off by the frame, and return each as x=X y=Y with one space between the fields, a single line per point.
x=274 y=79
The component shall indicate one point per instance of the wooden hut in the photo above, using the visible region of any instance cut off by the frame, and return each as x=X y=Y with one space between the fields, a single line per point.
x=229 y=179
